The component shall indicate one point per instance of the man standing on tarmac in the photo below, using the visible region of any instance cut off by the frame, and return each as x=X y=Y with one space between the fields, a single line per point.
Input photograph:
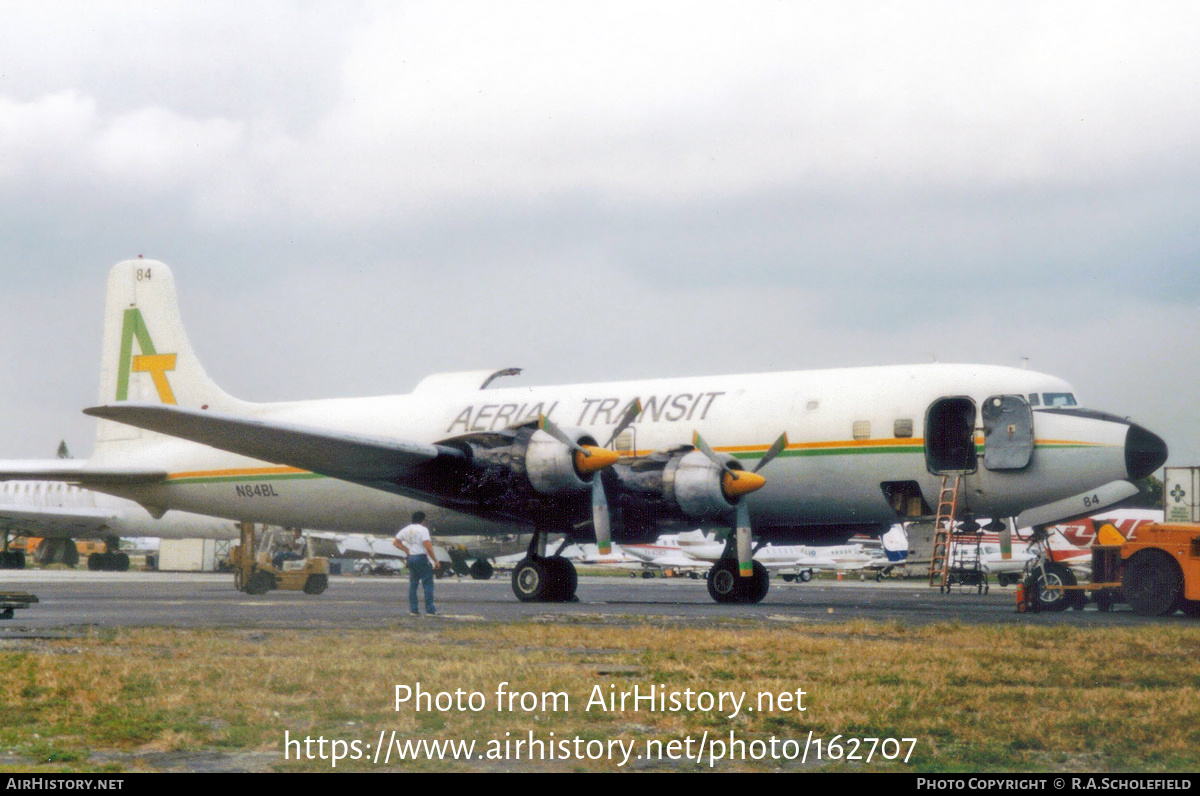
x=414 y=540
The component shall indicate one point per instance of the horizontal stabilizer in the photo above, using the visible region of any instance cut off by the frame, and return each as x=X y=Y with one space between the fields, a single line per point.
x=76 y=472
x=330 y=453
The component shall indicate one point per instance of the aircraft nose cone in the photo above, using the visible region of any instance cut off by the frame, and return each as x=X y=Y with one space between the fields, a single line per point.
x=1145 y=452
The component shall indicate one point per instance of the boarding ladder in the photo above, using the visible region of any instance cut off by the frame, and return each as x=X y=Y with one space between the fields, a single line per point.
x=943 y=529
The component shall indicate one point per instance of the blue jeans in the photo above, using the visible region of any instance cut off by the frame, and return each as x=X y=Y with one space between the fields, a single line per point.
x=420 y=571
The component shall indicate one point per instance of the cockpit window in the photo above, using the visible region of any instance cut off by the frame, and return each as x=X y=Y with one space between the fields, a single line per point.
x=1059 y=398
x=1033 y=399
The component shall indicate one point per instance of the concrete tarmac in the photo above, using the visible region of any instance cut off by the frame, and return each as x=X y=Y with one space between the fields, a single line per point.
x=189 y=600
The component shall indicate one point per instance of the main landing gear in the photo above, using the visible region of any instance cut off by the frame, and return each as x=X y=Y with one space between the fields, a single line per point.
x=111 y=560
x=726 y=585
x=542 y=578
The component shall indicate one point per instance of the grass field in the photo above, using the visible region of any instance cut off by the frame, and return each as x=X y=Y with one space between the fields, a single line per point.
x=974 y=698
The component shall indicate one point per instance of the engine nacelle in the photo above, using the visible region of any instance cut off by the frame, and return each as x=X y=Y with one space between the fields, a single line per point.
x=551 y=466
x=694 y=484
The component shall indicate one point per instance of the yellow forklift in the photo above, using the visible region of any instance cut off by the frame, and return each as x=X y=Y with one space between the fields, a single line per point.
x=258 y=573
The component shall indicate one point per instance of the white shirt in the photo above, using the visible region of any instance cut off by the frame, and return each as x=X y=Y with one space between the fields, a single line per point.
x=413 y=537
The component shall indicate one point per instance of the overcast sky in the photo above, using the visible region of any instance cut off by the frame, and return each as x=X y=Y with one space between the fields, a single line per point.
x=352 y=196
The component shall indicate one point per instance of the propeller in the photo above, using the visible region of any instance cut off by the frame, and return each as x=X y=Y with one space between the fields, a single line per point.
x=734 y=483
x=627 y=417
x=588 y=458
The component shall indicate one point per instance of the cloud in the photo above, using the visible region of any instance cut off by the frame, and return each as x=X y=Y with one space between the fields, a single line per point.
x=580 y=189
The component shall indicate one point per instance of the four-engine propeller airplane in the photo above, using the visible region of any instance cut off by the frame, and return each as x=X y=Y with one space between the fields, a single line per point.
x=807 y=457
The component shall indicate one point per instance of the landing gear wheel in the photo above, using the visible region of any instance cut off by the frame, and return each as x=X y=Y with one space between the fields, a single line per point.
x=788 y=578
x=482 y=570
x=1152 y=583
x=723 y=584
x=316 y=584
x=70 y=553
x=726 y=585
x=562 y=580
x=529 y=581
x=121 y=562
x=1050 y=594
x=804 y=575
x=760 y=584
x=57 y=551
x=260 y=583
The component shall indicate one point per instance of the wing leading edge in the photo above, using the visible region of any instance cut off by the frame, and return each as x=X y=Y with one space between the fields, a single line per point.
x=337 y=455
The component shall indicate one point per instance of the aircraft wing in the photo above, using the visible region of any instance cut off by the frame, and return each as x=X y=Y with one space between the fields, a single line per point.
x=75 y=471
x=403 y=467
x=338 y=455
x=51 y=522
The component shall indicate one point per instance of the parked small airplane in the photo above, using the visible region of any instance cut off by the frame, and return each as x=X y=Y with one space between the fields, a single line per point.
x=785 y=557
x=665 y=554
x=853 y=450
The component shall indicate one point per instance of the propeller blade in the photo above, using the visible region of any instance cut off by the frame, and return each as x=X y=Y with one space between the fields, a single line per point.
x=776 y=448
x=702 y=446
x=627 y=417
x=601 y=523
x=742 y=529
x=547 y=425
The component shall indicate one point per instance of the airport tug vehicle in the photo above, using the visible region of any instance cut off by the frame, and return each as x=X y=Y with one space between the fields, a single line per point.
x=1157 y=573
x=257 y=574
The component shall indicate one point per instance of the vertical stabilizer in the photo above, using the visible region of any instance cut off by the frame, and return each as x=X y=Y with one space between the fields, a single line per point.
x=146 y=355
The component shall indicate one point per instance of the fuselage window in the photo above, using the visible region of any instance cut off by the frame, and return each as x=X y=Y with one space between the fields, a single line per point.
x=1059 y=398
x=903 y=428
x=862 y=429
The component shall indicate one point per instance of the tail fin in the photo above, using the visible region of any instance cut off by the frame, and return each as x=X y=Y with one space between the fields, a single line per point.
x=146 y=354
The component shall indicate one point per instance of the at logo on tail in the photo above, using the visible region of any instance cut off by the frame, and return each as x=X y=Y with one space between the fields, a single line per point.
x=148 y=361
